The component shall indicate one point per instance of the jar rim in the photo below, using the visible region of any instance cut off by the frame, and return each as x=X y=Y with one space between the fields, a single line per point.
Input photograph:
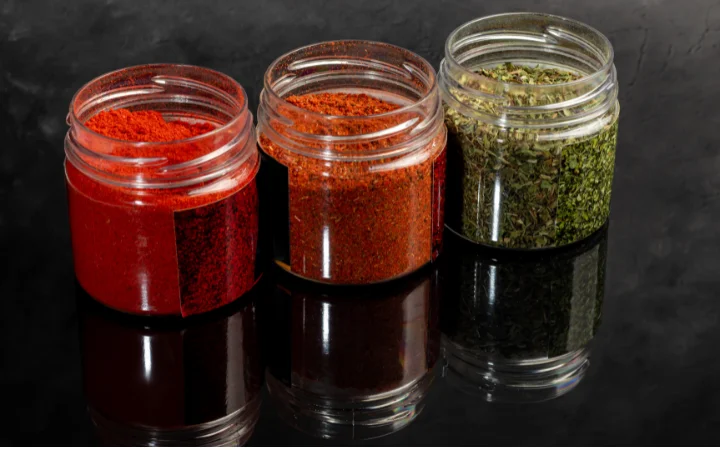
x=194 y=91
x=269 y=88
x=606 y=65
x=73 y=119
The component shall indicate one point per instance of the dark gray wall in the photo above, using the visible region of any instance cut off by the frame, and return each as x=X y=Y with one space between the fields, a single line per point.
x=655 y=371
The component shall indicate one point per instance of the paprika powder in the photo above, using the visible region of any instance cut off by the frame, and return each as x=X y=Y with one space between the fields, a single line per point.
x=161 y=165
x=144 y=126
x=353 y=135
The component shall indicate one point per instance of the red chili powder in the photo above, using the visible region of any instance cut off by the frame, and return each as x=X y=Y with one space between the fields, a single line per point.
x=163 y=251
x=356 y=222
x=144 y=126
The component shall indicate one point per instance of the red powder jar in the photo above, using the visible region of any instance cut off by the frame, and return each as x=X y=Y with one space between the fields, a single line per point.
x=354 y=139
x=164 y=228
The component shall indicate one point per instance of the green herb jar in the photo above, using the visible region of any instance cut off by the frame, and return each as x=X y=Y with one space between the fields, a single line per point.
x=531 y=110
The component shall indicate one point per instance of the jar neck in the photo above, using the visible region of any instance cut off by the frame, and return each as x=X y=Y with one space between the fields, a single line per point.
x=380 y=70
x=180 y=93
x=530 y=40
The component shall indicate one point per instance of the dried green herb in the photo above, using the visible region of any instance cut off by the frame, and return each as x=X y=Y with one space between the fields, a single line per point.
x=522 y=306
x=508 y=188
x=510 y=73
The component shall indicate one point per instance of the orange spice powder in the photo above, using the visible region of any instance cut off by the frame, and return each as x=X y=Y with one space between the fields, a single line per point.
x=355 y=222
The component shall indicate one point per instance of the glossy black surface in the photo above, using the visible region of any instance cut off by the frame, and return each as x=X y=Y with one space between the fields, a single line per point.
x=654 y=367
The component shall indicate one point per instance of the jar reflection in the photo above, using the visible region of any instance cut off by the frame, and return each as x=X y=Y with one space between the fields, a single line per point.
x=169 y=381
x=516 y=325
x=352 y=363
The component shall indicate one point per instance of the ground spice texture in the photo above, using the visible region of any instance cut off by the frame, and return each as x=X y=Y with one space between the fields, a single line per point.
x=355 y=222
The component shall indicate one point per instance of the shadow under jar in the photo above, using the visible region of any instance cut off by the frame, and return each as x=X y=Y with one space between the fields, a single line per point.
x=171 y=382
x=353 y=199
x=531 y=109
x=517 y=326
x=164 y=228
x=351 y=362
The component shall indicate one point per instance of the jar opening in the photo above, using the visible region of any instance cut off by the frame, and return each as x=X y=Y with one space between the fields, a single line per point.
x=151 y=86
x=178 y=92
x=528 y=39
x=378 y=67
x=379 y=70
x=532 y=41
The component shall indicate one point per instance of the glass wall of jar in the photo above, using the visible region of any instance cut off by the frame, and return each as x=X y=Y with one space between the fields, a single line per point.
x=351 y=363
x=169 y=382
x=531 y=109
x=164 y=228
x=516 y=326
x=356 y=196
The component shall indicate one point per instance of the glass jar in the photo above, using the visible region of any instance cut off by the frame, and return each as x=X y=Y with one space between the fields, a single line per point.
x=530 y=165
x=164 y=228
x=194 y=382
x=351 y=362
x=353 y=199
x=517 y=325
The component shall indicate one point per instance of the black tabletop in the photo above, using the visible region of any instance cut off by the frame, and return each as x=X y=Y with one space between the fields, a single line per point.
x=650 y=372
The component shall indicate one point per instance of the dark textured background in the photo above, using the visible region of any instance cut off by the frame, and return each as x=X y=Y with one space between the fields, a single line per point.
x=655 y=368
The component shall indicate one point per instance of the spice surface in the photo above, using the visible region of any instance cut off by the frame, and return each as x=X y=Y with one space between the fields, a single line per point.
x=340 y=104
x=144 y=126
x=512 y=190
x=172 y=251
x=354 y=222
